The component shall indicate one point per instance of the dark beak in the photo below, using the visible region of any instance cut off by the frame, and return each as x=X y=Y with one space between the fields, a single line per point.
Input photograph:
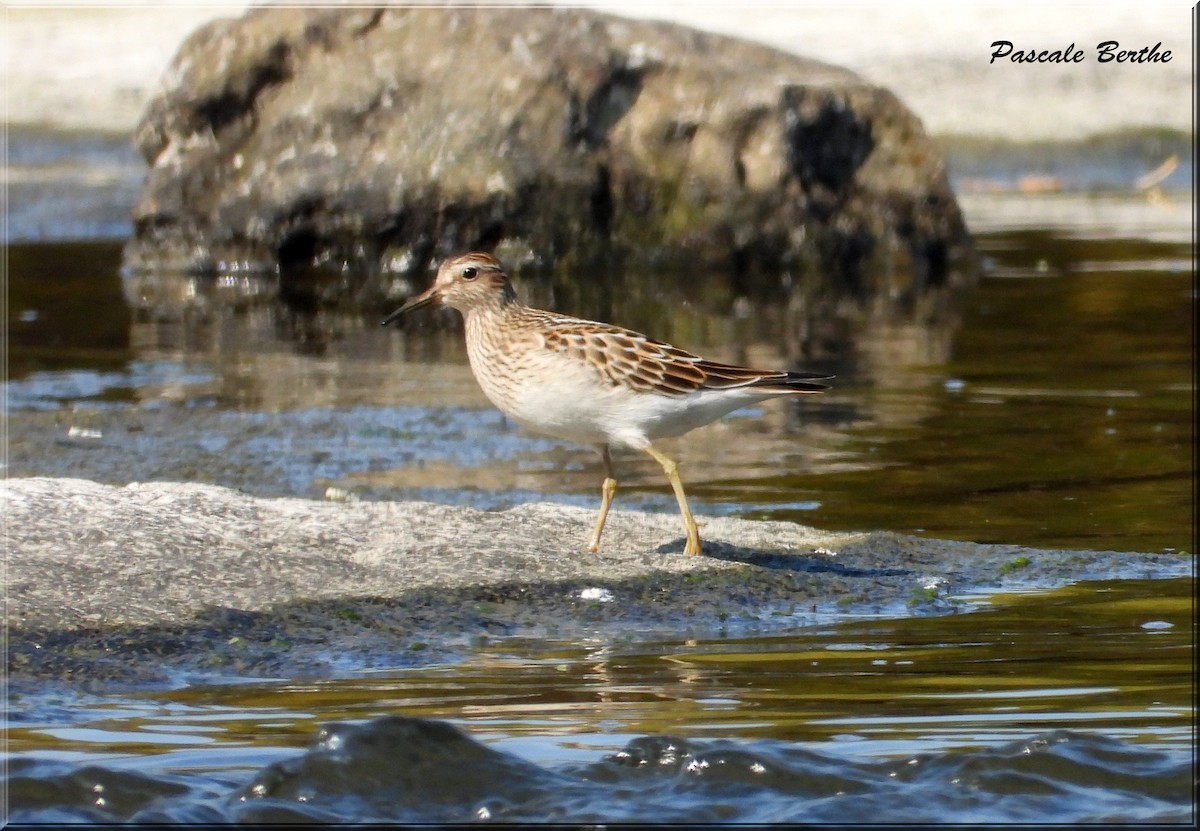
x=423 y=299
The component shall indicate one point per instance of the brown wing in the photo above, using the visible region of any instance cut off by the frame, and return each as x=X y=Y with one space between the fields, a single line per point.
x=625 y=357
x=647 y=365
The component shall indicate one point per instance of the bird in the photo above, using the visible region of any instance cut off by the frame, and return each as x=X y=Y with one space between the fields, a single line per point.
x=593 y=383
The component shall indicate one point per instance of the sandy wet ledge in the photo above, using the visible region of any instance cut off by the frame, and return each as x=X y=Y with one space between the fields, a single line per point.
x=138 y=582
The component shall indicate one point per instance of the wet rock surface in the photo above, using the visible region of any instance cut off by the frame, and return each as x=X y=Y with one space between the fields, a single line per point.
x=384 y=138
x=143 y=583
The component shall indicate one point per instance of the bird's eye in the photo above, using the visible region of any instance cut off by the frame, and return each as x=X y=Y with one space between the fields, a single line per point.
x=470 y=273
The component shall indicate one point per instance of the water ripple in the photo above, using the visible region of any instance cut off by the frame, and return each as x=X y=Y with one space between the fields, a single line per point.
x=400 y=769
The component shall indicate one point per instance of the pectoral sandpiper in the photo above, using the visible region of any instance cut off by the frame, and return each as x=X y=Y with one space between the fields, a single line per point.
x=590 y=382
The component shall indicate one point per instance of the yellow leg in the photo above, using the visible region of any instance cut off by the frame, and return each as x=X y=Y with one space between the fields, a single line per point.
x=670 y=467
x=607 y=491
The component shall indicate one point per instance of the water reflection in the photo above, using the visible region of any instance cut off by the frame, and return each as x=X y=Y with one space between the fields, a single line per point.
x=1077 y=656
x=1053 y=409
x=252 y=318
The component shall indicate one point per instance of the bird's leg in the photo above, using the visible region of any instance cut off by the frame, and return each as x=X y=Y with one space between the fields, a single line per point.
x=607 y=491
x=689 y=523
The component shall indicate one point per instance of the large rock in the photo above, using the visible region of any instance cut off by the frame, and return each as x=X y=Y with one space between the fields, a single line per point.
x=385 y=138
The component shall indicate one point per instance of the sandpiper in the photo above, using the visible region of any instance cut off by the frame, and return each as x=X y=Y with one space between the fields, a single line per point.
x=590 y=382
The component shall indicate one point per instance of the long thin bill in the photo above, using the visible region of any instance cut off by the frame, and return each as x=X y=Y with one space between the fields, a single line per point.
x=423 y=299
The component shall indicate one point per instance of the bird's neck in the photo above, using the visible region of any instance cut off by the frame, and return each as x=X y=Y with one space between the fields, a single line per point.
x=501 y=304
x=499 y=307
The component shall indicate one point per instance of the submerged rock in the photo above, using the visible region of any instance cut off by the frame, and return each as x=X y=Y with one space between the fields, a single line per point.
x=381 y=139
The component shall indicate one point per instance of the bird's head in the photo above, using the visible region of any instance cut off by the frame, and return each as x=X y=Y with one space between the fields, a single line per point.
x=466 y=282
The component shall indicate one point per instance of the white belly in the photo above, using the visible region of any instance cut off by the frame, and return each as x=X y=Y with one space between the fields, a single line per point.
x=558 y=395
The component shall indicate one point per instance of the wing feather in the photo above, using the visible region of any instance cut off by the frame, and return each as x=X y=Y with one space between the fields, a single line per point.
x=622 y=356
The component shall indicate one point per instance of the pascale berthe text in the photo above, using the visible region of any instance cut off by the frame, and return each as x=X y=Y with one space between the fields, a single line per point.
x=1108 y=51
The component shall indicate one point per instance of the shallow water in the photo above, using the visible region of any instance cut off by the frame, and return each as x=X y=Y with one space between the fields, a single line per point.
x=1058 y=414
x=1069 y=706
